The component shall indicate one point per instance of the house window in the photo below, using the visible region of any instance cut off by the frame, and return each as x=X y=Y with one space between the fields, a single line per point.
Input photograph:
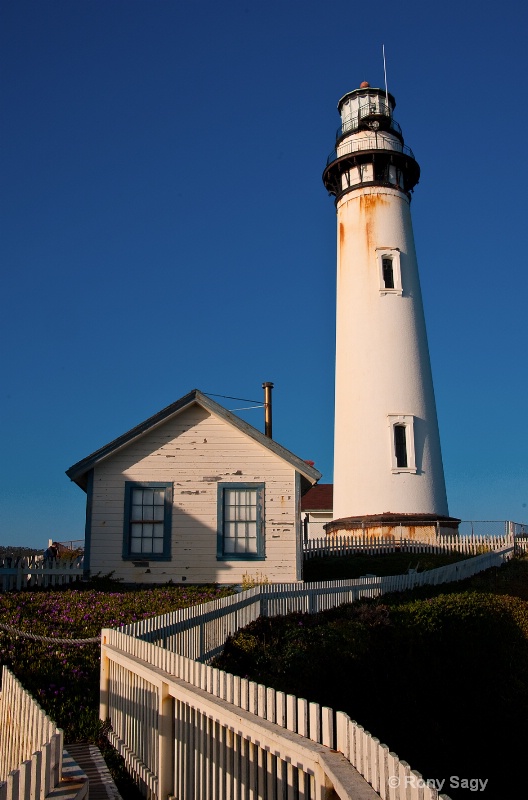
x=148 y=512
x=389 y=269
x=240 y=521
x=403 y=457
x=388 y=273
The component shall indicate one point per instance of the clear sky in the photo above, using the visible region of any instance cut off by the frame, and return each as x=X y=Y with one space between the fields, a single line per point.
x=164 y=226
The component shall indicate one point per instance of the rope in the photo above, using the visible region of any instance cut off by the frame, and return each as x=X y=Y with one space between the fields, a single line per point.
x=51 y=639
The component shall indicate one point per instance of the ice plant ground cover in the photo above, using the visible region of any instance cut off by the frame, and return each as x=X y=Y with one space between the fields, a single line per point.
x=64 y=678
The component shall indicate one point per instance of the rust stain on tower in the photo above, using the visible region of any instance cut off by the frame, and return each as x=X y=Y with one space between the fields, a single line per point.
x=368 y=204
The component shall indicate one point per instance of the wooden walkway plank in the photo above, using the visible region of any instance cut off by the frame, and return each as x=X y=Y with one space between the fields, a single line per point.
x=90 y=760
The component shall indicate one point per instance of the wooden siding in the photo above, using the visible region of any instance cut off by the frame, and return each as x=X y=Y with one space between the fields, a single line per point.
x=195 y=451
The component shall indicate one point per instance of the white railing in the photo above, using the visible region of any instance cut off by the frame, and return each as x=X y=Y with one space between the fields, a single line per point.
x=492 y=528
x=426 y=530
x=199 y=632
x=39 y=730
x=188 y=730
x=30 y=743
x=232 y=738
x=25 y=572
x=33 y=762
x=350 y=545
x=372 y=141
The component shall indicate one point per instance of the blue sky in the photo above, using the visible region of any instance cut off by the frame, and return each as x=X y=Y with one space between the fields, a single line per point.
x=164 y=226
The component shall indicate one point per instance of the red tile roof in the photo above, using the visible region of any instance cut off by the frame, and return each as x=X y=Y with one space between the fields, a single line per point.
x=319 y=498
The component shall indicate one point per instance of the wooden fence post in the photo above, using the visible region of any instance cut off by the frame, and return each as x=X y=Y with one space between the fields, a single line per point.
x=165 y=743
x=104 y=685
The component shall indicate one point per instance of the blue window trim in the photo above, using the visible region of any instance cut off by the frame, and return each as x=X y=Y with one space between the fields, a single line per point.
x=167 y=521
x=260 y=555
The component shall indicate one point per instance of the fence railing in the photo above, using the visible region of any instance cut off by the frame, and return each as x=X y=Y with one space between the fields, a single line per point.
x=350 y=545
x=374 y=142
x=31 y=746
x=188 y=730
x=24 y=572
x=494 y=527
x=430 y=530
x=368 y=111
x=199 y=632
x=232 y=738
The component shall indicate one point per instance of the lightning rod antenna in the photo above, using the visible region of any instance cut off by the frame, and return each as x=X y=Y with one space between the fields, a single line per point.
x=385 y=73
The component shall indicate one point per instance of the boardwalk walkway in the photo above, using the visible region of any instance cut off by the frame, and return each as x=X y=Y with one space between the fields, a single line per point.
x=90 y=760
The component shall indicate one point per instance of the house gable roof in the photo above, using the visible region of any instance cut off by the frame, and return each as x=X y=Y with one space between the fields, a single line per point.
x=79 y=471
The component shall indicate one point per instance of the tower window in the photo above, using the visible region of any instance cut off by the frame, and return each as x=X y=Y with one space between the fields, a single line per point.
x=381 y=172
x=389 y=270
x=366 y=173
x=388 y=273
x=400 y=446
x=403 y=457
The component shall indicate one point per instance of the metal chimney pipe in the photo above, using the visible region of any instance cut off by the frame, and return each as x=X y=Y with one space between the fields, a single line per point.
x=267 y=409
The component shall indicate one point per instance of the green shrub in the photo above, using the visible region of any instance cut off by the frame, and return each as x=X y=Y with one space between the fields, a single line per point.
x=333 y=568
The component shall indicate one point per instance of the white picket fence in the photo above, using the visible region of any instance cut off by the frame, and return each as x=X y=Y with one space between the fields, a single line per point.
x=192 y=732
x=350 y=545
x=31 y=750
x=25 y=572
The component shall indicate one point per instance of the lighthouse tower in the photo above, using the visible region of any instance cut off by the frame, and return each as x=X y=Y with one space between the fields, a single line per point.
x=387 y=458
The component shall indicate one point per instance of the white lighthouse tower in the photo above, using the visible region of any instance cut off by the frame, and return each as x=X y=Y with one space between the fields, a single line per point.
x=387 y=458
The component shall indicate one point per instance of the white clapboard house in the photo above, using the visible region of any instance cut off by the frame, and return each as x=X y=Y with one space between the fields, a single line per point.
x=194 y=494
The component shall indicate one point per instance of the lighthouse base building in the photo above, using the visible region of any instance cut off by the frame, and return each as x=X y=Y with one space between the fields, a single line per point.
x=388 y=472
